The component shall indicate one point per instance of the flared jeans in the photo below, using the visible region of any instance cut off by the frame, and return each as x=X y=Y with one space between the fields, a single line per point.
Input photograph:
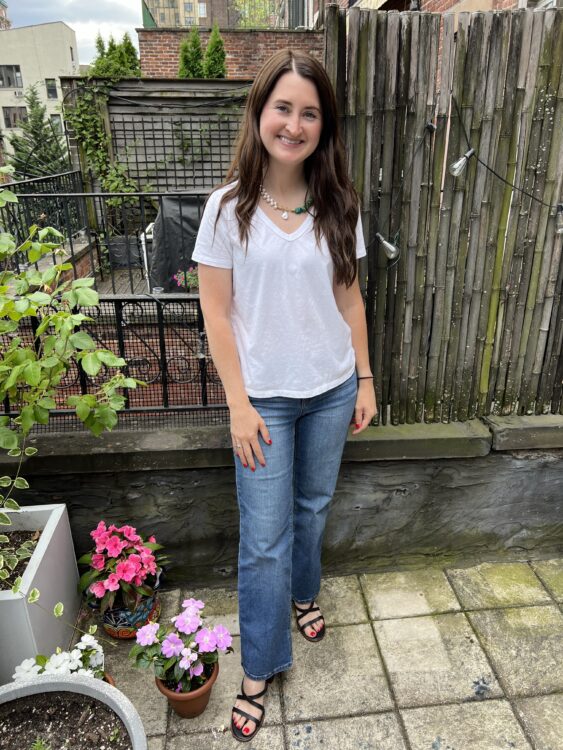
x=283 y=509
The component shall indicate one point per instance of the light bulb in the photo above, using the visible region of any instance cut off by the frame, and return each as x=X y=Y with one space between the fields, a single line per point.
x=391 y=251
x=458 y=166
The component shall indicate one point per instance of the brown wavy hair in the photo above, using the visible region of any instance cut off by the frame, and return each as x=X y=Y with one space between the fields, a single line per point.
x=334 y=197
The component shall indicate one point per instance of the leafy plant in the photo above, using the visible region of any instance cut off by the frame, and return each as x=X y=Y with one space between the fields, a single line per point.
x=214 y=60
x=191 y=56
x=118 y=60
x=86 y=658
x=39 y=744
x=11 y=556
x=41 y=319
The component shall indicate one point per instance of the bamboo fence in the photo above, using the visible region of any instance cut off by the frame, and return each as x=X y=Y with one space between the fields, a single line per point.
x=469 y=321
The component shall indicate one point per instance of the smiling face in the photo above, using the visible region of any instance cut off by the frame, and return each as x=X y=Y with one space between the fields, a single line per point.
x=291 y=120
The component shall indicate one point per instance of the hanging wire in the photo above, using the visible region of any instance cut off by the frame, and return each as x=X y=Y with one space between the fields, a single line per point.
x=556 y=207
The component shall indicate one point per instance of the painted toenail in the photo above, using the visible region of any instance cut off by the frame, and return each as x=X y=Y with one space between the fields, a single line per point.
x=246 y=730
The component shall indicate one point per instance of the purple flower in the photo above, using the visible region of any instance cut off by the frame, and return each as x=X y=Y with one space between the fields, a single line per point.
x=196 y=670
x=187 y=622
x=188 y=658
x=193 y=603
x=172 y=645
x=206 y=640
x=146 y=635
x=222 y=637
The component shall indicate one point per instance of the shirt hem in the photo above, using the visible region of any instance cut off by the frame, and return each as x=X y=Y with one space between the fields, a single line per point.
x=301 y=394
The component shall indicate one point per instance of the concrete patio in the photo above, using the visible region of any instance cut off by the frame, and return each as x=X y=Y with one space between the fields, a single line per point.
x=430 y=659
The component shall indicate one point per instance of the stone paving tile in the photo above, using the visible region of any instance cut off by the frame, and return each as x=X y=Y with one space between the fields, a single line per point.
x=139 y=686
x=434 y=659
x=347 y=665
x=341 y=600
x=156 y=743
x=415 y=592
x=497 y=585
x=217 y=715
x=268 y=738
x=543 y=718
x=490 y=725
x=221 y=606
x=525 y=646
x=551 y=573
x=375 y=732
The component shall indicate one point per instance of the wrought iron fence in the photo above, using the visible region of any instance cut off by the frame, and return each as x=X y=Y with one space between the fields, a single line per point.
x=163 y=341
x=130 y=243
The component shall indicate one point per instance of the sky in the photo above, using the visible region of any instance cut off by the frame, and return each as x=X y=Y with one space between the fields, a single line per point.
x=85 y=17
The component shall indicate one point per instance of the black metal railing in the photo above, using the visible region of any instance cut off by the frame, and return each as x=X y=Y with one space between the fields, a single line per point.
x=163 y=341
x=130 y=243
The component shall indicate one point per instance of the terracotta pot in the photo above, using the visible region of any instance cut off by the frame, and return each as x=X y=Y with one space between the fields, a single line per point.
x=109 y=679
x=194 y=703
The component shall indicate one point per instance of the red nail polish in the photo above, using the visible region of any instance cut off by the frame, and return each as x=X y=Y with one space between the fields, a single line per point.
x=262 y=465
x=269 y=442
x=252 y=468
x=245 y=466
x=246 y=730
x=357 y=426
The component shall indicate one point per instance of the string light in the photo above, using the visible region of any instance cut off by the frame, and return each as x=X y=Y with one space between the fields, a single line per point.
x=458 y=166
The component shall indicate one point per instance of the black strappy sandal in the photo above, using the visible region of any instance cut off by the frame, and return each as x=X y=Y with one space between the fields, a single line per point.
x=320 y=633
x=236 y=732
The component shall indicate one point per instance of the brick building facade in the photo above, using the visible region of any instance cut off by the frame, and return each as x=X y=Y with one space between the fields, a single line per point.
x=246 y=50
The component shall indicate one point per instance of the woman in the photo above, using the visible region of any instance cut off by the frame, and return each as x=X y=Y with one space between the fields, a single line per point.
x=277 y=251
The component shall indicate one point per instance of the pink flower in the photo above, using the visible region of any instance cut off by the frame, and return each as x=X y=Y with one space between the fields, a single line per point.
x=197 y=603
x=206 y=640
x=222 y=637
x=172 y=645
x=126 y=570
x=98 y=589
x=115 y=545
x=188 y=657
x=151 y=540
x=186 y=622
x=98 y=562
x=101 y=542
x=99 y=530
x=196 y=670
x=146 y=635
x=137 y=581
x=130 y=533
x=112 y=582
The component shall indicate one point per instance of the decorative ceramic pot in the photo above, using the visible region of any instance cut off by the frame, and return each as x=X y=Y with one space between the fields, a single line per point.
x=121 y=622
x=194 y=703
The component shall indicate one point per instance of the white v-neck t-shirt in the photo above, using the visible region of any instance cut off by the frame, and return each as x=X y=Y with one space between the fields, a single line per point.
x=291 y=338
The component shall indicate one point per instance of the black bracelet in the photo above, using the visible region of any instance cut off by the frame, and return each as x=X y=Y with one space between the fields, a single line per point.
x=366 y=377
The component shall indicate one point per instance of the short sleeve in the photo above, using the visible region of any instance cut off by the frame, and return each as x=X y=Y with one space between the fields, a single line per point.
x=213 y=244
x=360 y=242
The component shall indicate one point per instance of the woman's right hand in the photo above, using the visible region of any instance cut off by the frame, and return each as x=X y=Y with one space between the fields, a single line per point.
x=246 y=427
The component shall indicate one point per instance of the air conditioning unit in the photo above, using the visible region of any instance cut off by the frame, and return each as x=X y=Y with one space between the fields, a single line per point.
x=18 y=94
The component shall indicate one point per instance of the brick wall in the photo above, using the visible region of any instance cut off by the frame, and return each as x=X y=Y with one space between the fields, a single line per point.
x=246 y=50
x=443 y=6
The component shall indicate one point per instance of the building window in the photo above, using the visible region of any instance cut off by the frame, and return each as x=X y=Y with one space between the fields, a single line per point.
x=202 y=10
x=10 y=77
x=13 y=116
x=162 y=17
x=51 y=86
x=188 y=7
x=57 y=123
x=189 y=21
x=72 y=54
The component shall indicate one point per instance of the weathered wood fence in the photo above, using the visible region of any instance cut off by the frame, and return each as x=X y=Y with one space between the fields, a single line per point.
x=469 y=321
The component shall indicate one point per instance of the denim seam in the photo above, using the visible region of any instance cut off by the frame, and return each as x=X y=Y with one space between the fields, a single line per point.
x=267 y=676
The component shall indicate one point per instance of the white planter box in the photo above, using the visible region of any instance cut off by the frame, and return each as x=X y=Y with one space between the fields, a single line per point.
x=27 y=629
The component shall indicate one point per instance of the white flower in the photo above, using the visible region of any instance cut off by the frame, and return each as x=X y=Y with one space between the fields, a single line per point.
x=88 y=641
x=58 y=663
x=27 y=668
x=85 y=672
x=75 y=659
x=97 y=659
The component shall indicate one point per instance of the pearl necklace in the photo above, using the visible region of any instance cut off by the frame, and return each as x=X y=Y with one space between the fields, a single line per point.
x=285 y=211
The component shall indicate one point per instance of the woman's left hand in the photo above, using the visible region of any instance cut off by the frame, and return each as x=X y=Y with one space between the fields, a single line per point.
x=366 y=406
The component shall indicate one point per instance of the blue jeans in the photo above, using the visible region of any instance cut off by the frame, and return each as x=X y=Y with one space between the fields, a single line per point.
x=283 y=509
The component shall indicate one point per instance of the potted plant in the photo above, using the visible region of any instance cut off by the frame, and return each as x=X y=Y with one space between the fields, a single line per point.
x=41 y=321
x=86 y=658
x=122 y=578
x=184 y=657
x=188 y=280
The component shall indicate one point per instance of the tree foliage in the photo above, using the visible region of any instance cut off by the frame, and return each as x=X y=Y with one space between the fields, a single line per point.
x=191 y=56
x=40 y=150
x=214 y=61
x=256 y=15
x=117 y=60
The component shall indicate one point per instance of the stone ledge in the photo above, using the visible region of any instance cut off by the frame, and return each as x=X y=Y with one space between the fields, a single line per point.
x=210 y=447
x=517 y=433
